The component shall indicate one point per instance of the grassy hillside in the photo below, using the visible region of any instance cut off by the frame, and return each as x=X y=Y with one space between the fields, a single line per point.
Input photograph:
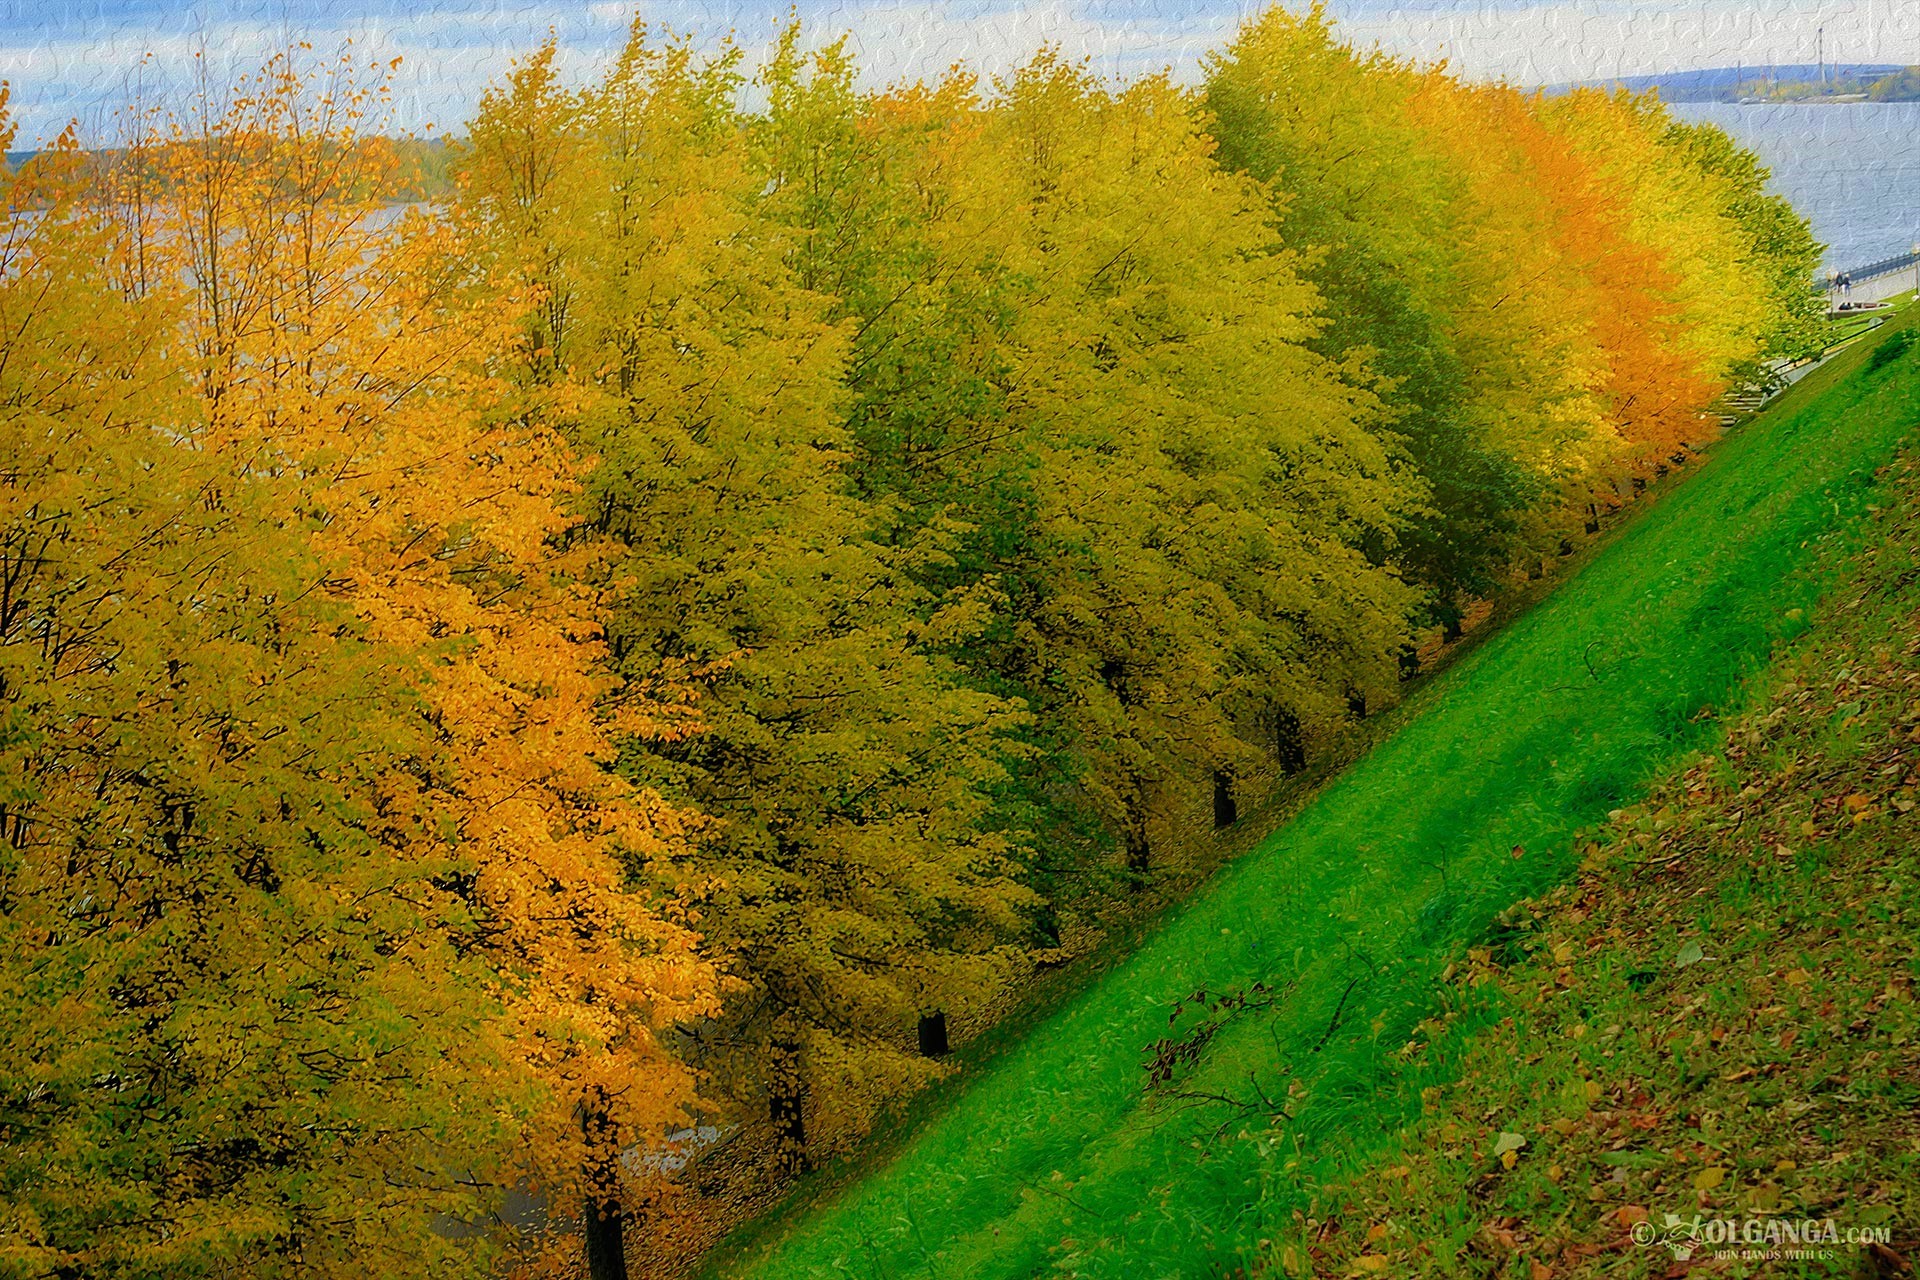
x=1177 y=1118
x=1716 y=1020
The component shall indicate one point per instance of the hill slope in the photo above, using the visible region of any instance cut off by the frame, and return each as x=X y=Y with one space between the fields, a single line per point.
x=1270 y=1014
x=1715 y=1022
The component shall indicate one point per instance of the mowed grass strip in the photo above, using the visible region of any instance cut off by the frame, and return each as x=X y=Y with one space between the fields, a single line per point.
x=1276 y=1004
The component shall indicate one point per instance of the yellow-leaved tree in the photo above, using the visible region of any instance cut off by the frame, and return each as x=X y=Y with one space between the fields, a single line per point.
x=1057 y=298
x=354 y=353
x=242 y=1029
x=854 y=869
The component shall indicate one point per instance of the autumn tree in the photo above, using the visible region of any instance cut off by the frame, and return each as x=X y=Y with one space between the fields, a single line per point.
x=1415 y=252
x=853 y=868
x=1551 y=291
x=1058 y=298
x=1775 y=238
x=242 y=1033
x=357 y=359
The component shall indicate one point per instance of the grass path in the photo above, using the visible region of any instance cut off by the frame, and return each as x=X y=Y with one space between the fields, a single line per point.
x=1334 y=930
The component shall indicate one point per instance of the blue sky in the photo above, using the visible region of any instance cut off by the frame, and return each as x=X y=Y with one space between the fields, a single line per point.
x=78 y=58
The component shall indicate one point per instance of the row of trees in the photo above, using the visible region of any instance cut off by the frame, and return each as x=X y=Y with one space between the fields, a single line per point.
x=491 y=685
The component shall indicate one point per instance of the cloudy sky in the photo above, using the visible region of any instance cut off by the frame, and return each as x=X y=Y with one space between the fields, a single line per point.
x=78 y=58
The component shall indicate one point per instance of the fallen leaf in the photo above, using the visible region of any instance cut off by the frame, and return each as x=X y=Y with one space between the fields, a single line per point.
x=1689 y=955
x=1709 y=1178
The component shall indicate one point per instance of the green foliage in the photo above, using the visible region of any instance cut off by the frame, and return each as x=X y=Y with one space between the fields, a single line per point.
x=1056 y=299
x=631 y=636
x=1061 y=1155
x=1900 y=86
x=1889 y=349
x=853 y=869
x=1379 y=203
x=1775 y=237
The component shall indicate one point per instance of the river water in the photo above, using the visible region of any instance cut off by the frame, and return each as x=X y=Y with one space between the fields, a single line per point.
x=1852 y=168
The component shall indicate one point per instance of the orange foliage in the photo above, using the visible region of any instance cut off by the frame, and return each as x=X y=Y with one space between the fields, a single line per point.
x=338 y=347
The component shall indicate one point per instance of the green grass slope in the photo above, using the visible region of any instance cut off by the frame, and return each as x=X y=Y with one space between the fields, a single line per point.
x=1716 y=1023
x=1175 y=1119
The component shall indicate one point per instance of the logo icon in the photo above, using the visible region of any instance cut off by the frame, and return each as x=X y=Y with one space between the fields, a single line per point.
x=1680 y=1236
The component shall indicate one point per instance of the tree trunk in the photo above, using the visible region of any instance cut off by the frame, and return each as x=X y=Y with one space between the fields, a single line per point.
x=1289 y=742
x=1225 y=811
x=1046 y=925
x=933 y=1034
x=787 y=1102
x=605 y=1219
x=1357 y=704
x=606 y=1243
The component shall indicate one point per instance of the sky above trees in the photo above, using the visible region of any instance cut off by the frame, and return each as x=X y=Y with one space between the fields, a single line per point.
x=80 y=58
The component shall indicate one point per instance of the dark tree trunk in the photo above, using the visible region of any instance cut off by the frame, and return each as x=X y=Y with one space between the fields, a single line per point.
x=1450 y=620
x=605 y=1218
x=1289 y=743
x=1046 y=925
x=933 y=1035
x=1593 y=519
x=787 y=1104
x=1225 y=811
x=1409 y=662
x=1566 y=546
x=788 y=1111
x=606 y=1242
x=1357 y=704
